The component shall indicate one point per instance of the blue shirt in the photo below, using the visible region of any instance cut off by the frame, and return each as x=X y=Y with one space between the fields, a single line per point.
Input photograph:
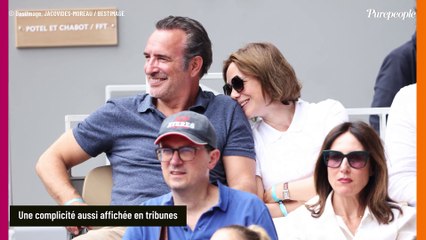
x=126 y=128
x=234 y=207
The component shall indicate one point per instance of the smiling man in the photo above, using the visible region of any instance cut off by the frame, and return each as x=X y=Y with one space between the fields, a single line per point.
x=178 y=53
x=187 y=152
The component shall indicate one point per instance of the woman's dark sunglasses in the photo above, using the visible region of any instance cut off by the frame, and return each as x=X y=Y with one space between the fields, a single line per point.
x=237 y=83
x=356 y=159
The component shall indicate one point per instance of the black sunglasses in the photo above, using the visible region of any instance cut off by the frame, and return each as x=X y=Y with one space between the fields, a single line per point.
x=237 y=83
x=356 y=159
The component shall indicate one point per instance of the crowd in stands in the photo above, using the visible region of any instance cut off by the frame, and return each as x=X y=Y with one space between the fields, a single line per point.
x=257 y=162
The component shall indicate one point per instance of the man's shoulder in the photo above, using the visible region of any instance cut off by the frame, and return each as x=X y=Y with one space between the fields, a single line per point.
x=221 y=106
x=119 y=107
x=406 y=48
x=218 y=99
x=240 y=201
x=160 y=200
x=403 y=54
x=130 y=104
x=130 y=100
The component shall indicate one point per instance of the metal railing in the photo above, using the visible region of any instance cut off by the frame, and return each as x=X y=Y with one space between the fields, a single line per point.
x=382 y=112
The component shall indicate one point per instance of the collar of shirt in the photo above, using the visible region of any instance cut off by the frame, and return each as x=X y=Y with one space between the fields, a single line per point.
x=296 y=124
x=201 y=103
x=329 y=211
x=223 y=198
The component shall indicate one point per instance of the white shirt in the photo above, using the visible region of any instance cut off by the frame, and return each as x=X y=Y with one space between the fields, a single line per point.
x=291 y=155
x=400 y=143
x=301 y=225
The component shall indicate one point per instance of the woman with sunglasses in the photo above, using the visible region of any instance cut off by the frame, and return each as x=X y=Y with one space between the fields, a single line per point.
x=351 y=180
x=288 y=131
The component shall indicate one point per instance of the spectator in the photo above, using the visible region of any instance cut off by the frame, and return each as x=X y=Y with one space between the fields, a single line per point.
x=187 y=152
x=178 y=53
x=400 y=143
x=351 y=181
x=289 y=131
x=398 y=70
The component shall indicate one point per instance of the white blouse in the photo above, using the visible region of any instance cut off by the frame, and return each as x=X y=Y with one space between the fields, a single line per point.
x=301 y=225
x=291 y=155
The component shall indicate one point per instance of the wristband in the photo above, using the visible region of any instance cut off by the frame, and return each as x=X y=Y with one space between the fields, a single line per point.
x=74 y=200
x=274 y=195
x=283 y=208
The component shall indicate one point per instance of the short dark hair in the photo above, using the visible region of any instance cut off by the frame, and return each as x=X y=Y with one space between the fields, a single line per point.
x=197 y=43
x=209 y=148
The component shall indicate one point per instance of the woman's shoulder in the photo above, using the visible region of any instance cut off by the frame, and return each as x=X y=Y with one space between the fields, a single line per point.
x=405 y=221
x=329 y=111
x=407 y=211
x=324 y=104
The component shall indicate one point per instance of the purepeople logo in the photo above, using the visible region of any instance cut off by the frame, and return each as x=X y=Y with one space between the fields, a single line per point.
x=388 y=15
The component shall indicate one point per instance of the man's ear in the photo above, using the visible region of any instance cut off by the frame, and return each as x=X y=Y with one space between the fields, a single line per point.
x=195 y=65
x=214 y=158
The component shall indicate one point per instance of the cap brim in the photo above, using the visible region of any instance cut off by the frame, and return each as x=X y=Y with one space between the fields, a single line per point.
x=187 y=136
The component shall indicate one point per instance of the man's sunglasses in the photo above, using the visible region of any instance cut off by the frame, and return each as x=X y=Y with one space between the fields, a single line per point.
x=356 y=159
x=237 y=83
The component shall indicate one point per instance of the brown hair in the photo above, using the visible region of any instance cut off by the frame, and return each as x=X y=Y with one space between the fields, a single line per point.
x=375 y=193
x=252 y=232
x=265 y=62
